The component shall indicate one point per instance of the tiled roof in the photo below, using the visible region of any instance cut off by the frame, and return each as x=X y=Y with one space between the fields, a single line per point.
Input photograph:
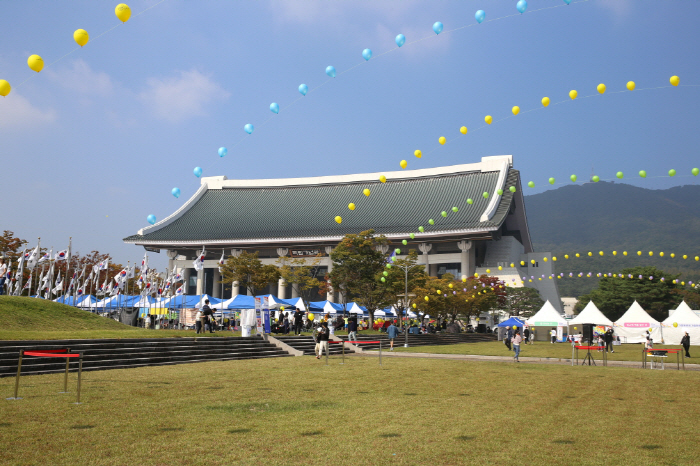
x=398 y=206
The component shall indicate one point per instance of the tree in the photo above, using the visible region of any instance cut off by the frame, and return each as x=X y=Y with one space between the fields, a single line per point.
x=358 y=267
x=448 y=298
x=302 y=276
x=249 y=271
x=10 y=246
x=615 y=295
x=402 y=274
x=523 y=302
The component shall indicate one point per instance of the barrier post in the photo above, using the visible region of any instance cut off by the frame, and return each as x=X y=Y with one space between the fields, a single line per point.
x=65 y=377
x=683 y=358
x=342 y=343
x=19 y=371
x=327 y=351
x=80 y=373
x=380 y=352
x=605 y=357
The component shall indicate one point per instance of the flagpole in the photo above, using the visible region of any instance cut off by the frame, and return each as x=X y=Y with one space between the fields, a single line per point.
x=68 y=259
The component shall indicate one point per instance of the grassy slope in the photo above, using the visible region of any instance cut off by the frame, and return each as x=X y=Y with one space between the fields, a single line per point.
x=29 y=319
x=406 y=412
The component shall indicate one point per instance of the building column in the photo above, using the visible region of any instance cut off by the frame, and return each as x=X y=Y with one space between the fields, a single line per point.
x=216 y=287
x=464 y=246
x=281 y=288
x=186 y=280
x=295 y=287
x=200 y=281
x=425 y=249
x=234 y=288
x=330 y=294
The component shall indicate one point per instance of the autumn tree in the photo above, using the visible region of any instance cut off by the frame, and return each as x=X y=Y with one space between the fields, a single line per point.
x=402 y=274
x=249 y=272
x=302 y=276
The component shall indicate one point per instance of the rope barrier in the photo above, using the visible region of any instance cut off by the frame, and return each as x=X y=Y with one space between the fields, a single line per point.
x=51 y=355
x=57 y=353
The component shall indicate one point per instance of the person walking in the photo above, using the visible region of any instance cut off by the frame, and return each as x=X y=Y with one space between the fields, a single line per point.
x=198 y=321
x=3 y=275
x=315 y=334
x=207 y=317
x=517 y=339
x=609 y=341
x=323 y=337
x=392 y=332
x=509 y=335
x=352 y=328
x=298 y=322
x=685 y=342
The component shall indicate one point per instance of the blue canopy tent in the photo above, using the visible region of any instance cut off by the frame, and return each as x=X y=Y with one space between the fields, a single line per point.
x=240 y=301
x=512 y=321
x=183 y=302
x=326 y=306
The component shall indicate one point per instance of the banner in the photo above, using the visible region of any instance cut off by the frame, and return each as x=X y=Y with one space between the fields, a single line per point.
x=266 y=320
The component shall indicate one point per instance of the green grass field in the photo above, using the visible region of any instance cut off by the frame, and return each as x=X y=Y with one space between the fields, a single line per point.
x=408 y=411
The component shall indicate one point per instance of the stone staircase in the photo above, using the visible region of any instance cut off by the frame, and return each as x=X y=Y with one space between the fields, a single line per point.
x=306 y=344
x=138 y=352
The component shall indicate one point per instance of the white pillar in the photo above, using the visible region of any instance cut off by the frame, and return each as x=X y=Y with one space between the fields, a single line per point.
x=186 y=279
x=216 y=287
x=295 y=293
x=464 y=246
x=234 y=288
x=425 y=249
x=281 y=288
x=330 y=295
x=200 y=281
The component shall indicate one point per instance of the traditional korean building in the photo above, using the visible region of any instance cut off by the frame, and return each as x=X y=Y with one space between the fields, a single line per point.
x=295 y=217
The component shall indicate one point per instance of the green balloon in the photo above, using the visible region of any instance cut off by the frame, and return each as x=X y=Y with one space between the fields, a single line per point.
x=388 y=266
x=512 y=189
x=573 y=178
x=383 y=279
x=531 y=184
x=643 y=174
x=431 y=221
x=620 y=175
x=404 y=242
x=398 y=251
x=695 y=171
x=455 y=209
x=595 y=178
x=443 y=213
x=672 y=172
x=470 y=202
x=552 y=181
x=486 y=195
x=500 y=192
x=412 y=236
x=421 y=229
x=386 y=274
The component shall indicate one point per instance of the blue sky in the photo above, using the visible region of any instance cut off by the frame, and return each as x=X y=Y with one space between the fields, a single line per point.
x=96 y=141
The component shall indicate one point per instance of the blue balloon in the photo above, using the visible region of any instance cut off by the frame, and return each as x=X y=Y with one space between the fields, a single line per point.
x=151 y=219
x=480 y=16
x=197 y=171
x=176 y=192
x=568 y=2
x=303 y=88
x=223 y=151
x=521 y=6
x=366 y=54
x=400 y=40
x=437 y=27
x=249 y=128
x=274 y=107
x=330 y=71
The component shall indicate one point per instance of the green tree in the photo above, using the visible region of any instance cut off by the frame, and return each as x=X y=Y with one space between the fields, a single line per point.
x=615 y=295
x=523 y=302
x=302 y=276
x=249 y=272
x=358 y=267
x=449 y=298
x=401 y=274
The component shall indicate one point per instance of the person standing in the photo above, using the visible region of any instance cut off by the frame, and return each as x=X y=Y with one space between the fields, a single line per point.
x=516 y=345
x=392 y=332
x=207 y=317
x=609 y=341
x=553 y=334
x=323 y=337
x=509 y=335
x=315 y=334
x=526 y=334
x=352 y=328
x=298 y=322
x=3 y=275
x=685 y=342
x=198 y=321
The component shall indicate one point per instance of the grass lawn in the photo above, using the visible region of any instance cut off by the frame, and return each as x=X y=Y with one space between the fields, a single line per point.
x=629 y=352
x=409 y=411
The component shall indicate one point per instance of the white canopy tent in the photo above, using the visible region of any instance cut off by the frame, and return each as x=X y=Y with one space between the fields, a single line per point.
x=591 y=315
x=298 y=303
x=355 y=308
x=685 y=320
x=547 y=316
x=632 y=326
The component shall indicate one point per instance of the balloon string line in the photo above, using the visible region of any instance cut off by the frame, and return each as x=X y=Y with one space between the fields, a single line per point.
x=91 y=39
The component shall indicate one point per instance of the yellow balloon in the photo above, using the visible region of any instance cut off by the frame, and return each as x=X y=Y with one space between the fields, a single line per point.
x=573 y=94
x=578 y=255
x=439 y=292
x=382 y=179
x=545 y=259
x=488 y=119
x=35 y=62
x=338 y=219
x=451 y=285
x=418 y=153
x=624 y=253
x=442 y=140
x=545 y=101
x=601 y=253
x=476 y=275
x=5 y=87
x=614 y=253
x=673 y=255
x=123 y=12
x=427 y=299
x=311 y=316
x=500 y=267
x=639 y=253
x=351 y=206
x=415 y=305
x=81 y=37
x=675 y=324
x=464 y=279
x=675 y=80
x=631 y=85
x=463 y=130
x=683 y=283
x=516 y=110
x=514 y=327
x=661 y=254
x=488 y=270
x=651 y=253
x=697 y=258
x=366 y=192
x=403 y=164
x=532 y=261
x=685 y=256
x=601 y=88
x=566 y=256
x=554 y=258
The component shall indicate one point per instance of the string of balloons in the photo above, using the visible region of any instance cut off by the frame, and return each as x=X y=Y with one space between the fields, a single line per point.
x=81 y=37
x=367 y=54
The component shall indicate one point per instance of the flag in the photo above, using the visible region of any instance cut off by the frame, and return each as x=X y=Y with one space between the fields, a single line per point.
x=221 y=262
x=178 y=292
x=80 y=290
x=61 y=255
x=199 y=261
x=33 y=257
x=58 y=286
x=140 y=281
x=26 y=285
x=131 y=272
x=71 y=286
x=102 y=265
x=144 y=264
x=46 y=257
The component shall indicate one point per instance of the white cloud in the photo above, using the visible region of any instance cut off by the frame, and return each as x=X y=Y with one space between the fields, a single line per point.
x=17 y=112
x=81 y=78
x=186 y=95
